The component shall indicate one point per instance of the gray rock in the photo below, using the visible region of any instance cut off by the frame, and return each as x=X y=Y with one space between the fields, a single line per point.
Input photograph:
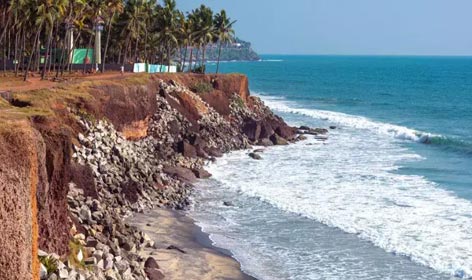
x=255 y=156
x=277 y=140
x=304 y=127
x=43 y=273
x=108 y=264
x=91 y=242
x=265 y=142
x=85 y=213
x=90 y=261
x=41 y=253
x=201 y=173
x=228 y=203
x=101 y=264
x=122 y=266
x=151 y=263
x=63 y=273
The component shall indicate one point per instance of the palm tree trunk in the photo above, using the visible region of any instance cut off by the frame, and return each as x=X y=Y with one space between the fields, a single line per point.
x=191 y=58
x=17 y=42
x=4 y=30
x=182 y=68
x=89 y=45
x=46 y=56
x=127 y=46
x=203 y=59
x=36 y=39
x=5 y=56
x=107 y=42
x=145 y=44
x=69 y=63
x=21 y=56
x=219 y=54
x=61 y=60
x=136 y=49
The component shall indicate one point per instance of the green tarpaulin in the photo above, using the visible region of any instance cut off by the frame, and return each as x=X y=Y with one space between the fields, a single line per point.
x=79 y=55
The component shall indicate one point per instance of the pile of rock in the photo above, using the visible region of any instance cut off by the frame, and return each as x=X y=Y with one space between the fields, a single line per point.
x=155 y=171
x=127 y=173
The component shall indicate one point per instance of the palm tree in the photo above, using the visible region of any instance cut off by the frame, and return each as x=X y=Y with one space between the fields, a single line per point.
x=204 y=25
x=139 y=28
x=224 y=32
x=113 y=7
x=48 y=13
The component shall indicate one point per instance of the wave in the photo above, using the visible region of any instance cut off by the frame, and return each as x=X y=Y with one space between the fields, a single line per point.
x=359 y=122
x=355 y=190
x=272 y=60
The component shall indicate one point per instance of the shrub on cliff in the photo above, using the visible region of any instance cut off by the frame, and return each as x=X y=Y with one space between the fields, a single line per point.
x=202 y=87
x=49 y=263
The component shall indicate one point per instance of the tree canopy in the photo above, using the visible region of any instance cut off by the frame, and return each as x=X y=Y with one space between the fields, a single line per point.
x=42 y=34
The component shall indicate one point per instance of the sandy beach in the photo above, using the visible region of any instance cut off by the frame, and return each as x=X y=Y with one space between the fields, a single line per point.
x=201 y=260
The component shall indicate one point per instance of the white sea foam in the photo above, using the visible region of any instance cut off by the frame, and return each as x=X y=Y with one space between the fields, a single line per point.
x=350 y=183
x=352 y=121
x=272 y=60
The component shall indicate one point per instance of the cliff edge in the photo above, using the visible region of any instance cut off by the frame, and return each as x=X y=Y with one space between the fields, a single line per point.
x=78 y=158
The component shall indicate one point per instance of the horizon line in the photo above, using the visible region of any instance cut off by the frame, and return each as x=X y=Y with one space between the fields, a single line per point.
x=391 y=55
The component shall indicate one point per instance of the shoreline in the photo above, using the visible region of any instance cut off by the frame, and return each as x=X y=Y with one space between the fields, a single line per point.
x=200 y=257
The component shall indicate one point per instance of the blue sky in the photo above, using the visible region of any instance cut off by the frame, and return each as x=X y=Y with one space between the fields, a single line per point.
x=393 y=27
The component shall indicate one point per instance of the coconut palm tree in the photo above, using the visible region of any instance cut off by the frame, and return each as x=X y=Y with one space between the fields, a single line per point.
x=224 y=32
x=205 y=29
x=135 y=28
x=113 y=7
x=48 y=13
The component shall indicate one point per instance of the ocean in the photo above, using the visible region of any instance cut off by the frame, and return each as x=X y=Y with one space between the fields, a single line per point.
x=387 y=196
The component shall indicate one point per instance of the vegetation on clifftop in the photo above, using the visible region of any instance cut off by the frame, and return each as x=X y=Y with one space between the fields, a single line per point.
x=41 y=35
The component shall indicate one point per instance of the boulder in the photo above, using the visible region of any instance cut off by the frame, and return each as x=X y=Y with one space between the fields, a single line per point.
x=266 y=130
x=255 y=156
x=319 y=130
x=181 y=172
x=215 y=152
x=304 y=127
x=201 y=173
x=252 y=129
x=151 y=263
x=85 y=213
x=63 y=273
x=265 y=142
x=277 y=140
x=43 y=272
x=332 y=127
x=301 y=138
x=228 y=203
x=154 y=274
x=187 y=149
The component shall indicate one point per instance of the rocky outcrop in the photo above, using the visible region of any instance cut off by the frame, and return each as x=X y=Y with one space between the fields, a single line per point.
x=120 y=148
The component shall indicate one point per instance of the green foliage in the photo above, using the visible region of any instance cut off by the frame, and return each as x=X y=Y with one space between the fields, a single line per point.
x=239 y=102
x=202 y=87
x=156 y=32
x=50 y=263
x=74 y=248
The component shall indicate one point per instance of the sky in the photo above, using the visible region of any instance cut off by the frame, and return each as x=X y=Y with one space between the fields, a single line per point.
x=350 y=27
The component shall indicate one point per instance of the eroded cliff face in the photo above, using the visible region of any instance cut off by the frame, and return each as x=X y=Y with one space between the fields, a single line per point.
x=22 y=153
x=80 y=156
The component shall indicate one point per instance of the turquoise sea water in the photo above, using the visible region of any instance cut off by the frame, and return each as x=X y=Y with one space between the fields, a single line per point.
x=387 y=196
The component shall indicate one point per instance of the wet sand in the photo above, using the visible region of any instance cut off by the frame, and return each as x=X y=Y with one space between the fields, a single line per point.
x=200 y=261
